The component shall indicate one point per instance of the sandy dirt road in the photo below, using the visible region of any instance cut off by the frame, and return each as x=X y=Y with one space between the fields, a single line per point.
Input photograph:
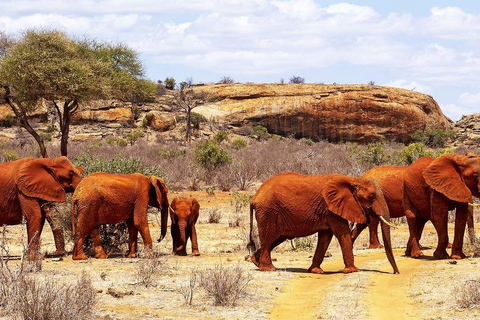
x=304 y=295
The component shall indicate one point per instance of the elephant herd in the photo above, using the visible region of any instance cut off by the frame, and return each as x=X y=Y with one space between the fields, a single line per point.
x=286 y=206
x=290 y=205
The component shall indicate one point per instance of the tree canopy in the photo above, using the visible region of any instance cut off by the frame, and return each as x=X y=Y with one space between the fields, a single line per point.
x=49 y=65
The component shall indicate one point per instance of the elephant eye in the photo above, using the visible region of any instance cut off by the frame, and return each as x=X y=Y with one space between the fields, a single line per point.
x=371 y=197
x=71 y=173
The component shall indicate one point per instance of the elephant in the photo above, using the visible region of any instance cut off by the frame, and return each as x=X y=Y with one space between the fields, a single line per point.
x=184 y=214
x=290 y=205
x=27 y=187
x=105 y=198
x=390 y=180
x=431 y=188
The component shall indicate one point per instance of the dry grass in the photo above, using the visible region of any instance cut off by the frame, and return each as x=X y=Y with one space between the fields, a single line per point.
x=225 y=286
x=150 y=268
x=467 y=295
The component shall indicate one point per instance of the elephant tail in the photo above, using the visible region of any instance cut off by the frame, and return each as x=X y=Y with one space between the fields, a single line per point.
x=251 y=245
x=74 y=207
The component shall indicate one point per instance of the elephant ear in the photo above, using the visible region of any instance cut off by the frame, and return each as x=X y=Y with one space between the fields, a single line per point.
x=195 y=211
x=173 y=209
x=160 y=189
x=36 y=179
x=444 y=176
x=338 y=194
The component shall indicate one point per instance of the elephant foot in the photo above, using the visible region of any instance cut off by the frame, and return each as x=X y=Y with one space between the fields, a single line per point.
x=80 y=256
x=132 y=255
x=180 y=253
x=350 y=269
x=375 y=246
x=254 y=259
x=59 y=253
x=458 y=256
x=267 y=268
x=416 y=254
x=316 y=270
x=195 y=253
x=100 y=254
x=441 y=254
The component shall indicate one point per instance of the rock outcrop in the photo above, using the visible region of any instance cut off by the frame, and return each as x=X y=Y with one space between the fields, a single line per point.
x=118 y=115
x=468 y=131
x=161 y=121
x=361 y=113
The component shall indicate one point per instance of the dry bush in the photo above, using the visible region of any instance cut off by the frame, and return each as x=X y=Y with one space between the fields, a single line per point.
x=305 y=243
x=150 y=268
x=27 y=295
x=467 y=295
x=225 y=285
x=214 y=216
x=188 y=289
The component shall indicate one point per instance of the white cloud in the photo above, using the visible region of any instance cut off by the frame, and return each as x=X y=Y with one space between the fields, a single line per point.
x=409 y=85
x=470 y=99
x=455 y=112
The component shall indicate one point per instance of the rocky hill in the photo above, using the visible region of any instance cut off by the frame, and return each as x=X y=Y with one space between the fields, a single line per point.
x=468 y=131
x=361 y=113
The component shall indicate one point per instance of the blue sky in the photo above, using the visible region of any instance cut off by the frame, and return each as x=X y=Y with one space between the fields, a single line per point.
x=426 y=46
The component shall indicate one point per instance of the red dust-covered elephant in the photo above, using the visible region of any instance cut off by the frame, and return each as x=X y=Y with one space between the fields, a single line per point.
x=104 y=198
x=28 y=185
x=290 y=205
x=184 y=214
x=431 y=188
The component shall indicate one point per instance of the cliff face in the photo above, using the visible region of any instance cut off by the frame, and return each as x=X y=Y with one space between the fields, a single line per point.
x=361 y=113
x=468 y=131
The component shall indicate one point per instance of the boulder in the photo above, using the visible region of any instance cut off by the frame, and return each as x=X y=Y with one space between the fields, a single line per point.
x=360 y=113
x=468 y=131
x=161 y=121
x=120 y=115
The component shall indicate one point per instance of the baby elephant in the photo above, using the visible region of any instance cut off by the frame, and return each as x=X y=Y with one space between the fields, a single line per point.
x=184 y=214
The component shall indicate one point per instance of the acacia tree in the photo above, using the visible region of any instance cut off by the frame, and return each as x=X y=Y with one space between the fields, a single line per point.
x=188 y=99
x=48 y=66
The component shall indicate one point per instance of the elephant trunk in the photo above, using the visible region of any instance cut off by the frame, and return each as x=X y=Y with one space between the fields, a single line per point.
x=359 y=227
x=182 y=248
x=164 y=220
x=380 y=208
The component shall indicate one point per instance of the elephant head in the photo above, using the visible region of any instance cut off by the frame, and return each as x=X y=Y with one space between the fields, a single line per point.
x=183 y=213
x=353 y=199
x=48 y=178
x=455 y=176
x=158 y=199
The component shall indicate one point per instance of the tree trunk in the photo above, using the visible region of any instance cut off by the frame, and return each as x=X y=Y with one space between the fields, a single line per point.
x=189 y=121
x=22 y=117
x=65 y=127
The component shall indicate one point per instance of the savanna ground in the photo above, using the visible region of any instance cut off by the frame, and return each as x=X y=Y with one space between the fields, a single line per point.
x=425 y=288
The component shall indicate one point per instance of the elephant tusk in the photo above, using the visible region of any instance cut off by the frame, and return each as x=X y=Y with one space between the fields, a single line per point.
x=169 y=207
x=386 y=222
x=474 y=204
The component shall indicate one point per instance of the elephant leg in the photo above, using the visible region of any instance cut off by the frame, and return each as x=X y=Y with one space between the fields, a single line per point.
x=373 y=230
x=323 y=241
x=461 y=217
x=439 y=220
x=141 y=223
x=420 y=225
x=262 y=257
x=82 y=231
x=132 y=238
x=34 y=229
x=175 y=231
x=97 y=243
x=195 y=251
x=413 y=247
x=342 y=233
x=58 y=236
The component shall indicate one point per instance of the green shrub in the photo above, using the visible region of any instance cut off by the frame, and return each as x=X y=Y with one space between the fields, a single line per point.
x=169 y=83
x=196 y=119
x=134 y=135
x=220 y=136
x=10 y=155
x=136 y=110
x=260 y=132
x=47 y=136
x=411 y=153
x=308 y=141
x=210 y=155
x=210 y=191
x=117 y=164
x=374 y=154
x=239 y=143
x=433 y=137
x=9 y=121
